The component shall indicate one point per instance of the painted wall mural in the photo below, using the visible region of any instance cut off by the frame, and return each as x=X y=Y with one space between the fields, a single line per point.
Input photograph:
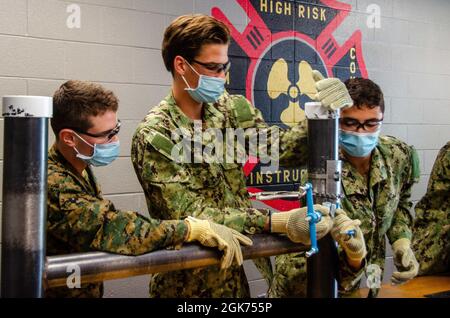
x=272 y=62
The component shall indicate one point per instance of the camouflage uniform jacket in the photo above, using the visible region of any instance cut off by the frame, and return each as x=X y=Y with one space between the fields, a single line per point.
x=79 y=219
x=382 y=203
x=215 y=191
x=431 y=239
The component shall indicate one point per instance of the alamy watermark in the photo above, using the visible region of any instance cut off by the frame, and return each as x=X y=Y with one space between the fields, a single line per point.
x=229 y=145
x=374 y=17
x=373 y=272
x=74 y=279
x=74 y=19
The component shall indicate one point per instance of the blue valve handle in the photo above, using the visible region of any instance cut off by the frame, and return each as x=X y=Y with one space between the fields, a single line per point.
x=313 y=217
x=350 y=233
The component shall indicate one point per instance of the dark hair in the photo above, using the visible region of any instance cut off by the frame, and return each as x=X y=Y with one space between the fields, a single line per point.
x=186 y=35
x=365 y=93
x=75 y=101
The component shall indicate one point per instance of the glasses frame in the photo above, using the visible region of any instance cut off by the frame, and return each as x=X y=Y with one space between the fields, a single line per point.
x=217 y=68
x=362 y=124
x=108 y=134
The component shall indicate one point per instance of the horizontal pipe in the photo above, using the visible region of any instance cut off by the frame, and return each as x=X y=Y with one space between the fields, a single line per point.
x=100 y=266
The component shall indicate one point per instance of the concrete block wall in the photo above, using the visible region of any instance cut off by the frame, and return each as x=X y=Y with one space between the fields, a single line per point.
x=118 y=45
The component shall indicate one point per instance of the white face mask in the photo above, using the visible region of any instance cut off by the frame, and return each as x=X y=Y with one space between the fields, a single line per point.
x=209 y=88
x=103 y=154
x=358 y=144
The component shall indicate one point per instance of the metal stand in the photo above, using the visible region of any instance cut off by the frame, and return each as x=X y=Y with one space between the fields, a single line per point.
x=324 y=174
x=324 y=171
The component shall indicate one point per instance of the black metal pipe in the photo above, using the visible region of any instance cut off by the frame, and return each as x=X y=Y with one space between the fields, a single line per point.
x=24 y=202
x=324 y=175
x=100 y=266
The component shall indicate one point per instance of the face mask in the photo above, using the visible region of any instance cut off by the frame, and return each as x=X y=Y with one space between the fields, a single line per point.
x=358 y=144
x=103 y=154
x=209 y=88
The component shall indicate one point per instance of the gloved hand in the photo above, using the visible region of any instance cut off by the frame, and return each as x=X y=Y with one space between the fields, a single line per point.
x=331 y=92
x=293 y=223
x=405 y=261
x=354 y=246
x=215 y=235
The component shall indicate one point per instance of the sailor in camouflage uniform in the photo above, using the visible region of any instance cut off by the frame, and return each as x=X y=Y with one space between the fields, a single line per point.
x=174 y=188
x=377 y=176
x=79 y=218
x=432 y=224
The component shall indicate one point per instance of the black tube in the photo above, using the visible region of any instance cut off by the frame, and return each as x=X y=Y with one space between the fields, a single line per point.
x=323 y=173
x=24 y=206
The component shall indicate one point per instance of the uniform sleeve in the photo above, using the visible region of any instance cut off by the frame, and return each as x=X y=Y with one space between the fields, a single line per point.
x=86 y=222
x=293 y=147
x=402 y=220
x=349 y=278
x=172 y=194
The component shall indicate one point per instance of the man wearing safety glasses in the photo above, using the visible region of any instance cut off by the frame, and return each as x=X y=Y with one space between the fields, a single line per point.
x=378 y=173
x=195 y=51
x=79 y=219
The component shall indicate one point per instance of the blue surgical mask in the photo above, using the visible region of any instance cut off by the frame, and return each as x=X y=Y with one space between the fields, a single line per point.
x=103 y=154
x=358 y=144
x=209 y=88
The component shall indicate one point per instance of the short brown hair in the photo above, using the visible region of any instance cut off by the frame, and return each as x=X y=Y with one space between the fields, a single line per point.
x=75 y=101
x=365 y=93
x=186 y=35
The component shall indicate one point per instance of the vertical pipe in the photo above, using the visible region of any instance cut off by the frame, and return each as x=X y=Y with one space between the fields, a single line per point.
x=24 y=195
x=324 y=175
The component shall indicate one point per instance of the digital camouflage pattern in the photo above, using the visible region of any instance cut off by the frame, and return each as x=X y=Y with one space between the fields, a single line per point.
x=431 y=239
x=383 y=208
x=79 y=219
x=213 y=191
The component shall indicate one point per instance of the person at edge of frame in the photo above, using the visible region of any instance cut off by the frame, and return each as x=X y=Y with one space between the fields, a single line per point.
x=431 y=239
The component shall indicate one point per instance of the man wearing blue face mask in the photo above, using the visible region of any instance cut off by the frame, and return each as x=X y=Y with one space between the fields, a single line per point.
x=79 y=219
x=378 y=173
x=195 y=51
x=377 y=176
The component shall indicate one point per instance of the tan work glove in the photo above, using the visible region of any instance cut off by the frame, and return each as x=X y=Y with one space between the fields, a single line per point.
x=331 y=92
x=294 y=224
x=215 y=235
x=354 y=246
x=405 y=261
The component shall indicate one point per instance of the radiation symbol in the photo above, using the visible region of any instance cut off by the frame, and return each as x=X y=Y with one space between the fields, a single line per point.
x=278 y=83
x=275 y=55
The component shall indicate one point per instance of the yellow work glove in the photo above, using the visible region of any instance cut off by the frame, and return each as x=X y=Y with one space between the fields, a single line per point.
x=354 y=246
x=331 y=92
x=215 y=235
x=405 y=261
x=294 y=224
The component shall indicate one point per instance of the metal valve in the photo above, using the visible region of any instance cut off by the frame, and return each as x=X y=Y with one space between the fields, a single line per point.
x=312 y=216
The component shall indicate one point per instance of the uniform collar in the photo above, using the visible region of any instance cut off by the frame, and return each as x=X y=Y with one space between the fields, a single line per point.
x=58 y=159
x=177 y=115
x=212 y=117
